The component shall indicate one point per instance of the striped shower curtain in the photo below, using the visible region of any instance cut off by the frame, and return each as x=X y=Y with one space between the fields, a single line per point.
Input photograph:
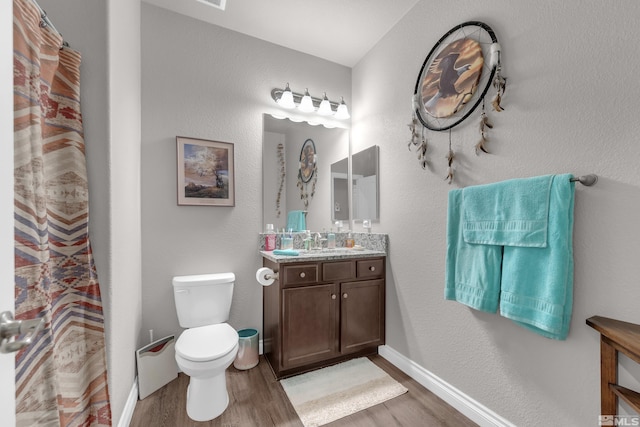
x=61 y=379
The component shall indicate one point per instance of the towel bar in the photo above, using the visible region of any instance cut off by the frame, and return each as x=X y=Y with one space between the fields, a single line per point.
x=587 y=180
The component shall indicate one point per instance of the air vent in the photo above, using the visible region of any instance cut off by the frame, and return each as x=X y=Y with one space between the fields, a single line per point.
x=218 y=4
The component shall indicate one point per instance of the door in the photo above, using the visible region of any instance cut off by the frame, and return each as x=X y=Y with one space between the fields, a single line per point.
x=361 y=315
x=7 y=361
x=310 y=324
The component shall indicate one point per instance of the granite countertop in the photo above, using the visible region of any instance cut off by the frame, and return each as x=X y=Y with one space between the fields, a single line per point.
x=323 y=255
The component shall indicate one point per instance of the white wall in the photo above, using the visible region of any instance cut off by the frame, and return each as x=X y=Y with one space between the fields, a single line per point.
x=571 y=105
x=107 y=35
x=206 y=82
x=125 y=308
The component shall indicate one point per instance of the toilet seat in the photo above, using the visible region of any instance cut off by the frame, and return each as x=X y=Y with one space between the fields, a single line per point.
x=206 y=343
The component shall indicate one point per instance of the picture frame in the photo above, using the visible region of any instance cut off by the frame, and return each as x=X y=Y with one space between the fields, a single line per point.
x=205 y=172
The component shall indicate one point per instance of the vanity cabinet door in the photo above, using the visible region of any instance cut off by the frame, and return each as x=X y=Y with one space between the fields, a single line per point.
x=309 y=324
x=361 y=315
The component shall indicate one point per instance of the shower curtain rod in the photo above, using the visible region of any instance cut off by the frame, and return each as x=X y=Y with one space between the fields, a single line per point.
x=46 y=22
x=587 y=180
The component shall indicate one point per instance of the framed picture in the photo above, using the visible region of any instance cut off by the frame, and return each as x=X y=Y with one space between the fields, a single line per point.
x=205 y=172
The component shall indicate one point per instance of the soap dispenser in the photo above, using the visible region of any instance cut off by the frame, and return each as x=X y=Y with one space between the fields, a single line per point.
x=349 y=243
x=331 y=240
x=269 y=238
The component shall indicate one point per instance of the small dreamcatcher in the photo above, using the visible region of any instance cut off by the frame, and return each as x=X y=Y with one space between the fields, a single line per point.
x=308 y=171
x=452 y=83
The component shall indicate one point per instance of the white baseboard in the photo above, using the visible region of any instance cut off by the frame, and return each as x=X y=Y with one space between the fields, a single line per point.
x=472 y=409
x=129 y=406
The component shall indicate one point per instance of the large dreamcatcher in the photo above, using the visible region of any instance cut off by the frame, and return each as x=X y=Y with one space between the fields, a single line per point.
x=308 y=171
x=453 y=81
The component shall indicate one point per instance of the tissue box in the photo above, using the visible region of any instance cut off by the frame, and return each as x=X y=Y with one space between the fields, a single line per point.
x=156 y=365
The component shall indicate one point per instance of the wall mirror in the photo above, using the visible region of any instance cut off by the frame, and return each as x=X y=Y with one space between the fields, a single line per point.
x=282 y=143
x=340 y=191
x=365 y=175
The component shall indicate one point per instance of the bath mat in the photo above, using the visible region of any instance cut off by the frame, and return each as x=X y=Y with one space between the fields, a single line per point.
x=330 y=393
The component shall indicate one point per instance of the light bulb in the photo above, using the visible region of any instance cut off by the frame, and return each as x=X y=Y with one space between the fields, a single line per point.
x=343 y=112
x=306 y=104
x=325 y=106
x=286 y=100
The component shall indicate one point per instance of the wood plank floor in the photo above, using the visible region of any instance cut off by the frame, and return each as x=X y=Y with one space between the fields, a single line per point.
x=257 y=399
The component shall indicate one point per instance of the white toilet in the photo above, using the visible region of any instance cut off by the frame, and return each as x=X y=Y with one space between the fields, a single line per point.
x=209 y=346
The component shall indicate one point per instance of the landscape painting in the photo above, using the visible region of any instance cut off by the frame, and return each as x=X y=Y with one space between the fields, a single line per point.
x=205 y=172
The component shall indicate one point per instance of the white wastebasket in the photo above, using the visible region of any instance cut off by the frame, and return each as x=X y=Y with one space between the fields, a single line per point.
x=247 y=356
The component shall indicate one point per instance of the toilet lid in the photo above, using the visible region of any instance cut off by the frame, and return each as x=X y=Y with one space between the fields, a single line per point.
x=206 y=342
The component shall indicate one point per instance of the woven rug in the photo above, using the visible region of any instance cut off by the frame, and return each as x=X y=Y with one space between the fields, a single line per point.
x=328 y=394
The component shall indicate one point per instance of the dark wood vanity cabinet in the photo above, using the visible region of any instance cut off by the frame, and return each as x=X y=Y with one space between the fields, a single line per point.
x=322 y=312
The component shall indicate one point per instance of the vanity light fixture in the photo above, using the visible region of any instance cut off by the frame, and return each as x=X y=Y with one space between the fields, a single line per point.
x=308 y=104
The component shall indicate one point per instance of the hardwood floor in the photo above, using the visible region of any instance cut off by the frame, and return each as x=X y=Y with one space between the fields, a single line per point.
x=257 y=399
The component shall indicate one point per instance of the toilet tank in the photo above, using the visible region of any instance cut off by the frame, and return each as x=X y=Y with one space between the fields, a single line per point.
x=203 y=299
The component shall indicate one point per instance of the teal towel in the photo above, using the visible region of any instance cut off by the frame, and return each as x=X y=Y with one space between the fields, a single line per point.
x=531 y=280
x=288 y=252
x=512 y=212
x=537 y=283
x=472 y=275
x=296 y=221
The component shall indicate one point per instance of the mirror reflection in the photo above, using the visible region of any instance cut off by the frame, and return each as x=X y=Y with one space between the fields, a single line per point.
x=340 y=190
x=365 y=178
x=283 y=190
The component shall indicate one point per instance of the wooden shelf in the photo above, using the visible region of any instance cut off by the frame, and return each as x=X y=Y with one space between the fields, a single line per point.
x=615 y=336
x=629 y=396
x=625 y=335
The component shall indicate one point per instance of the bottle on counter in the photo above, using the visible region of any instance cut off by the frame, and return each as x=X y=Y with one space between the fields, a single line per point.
x=331 y=240
x=349 y=242
x=269 y=238
x=307 y=239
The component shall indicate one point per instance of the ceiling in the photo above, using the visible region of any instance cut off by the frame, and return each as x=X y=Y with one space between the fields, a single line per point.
x=340 y=31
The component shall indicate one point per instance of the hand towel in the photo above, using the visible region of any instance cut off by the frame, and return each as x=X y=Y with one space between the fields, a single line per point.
x=296 y=221
x=472 y=275
x=512 y=212
x=287 y=252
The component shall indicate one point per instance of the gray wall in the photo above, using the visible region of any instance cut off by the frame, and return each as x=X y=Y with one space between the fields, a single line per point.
x=206 y=82
x=571 y=105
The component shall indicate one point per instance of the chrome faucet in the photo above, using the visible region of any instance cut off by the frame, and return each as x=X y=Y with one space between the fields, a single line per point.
x=317 y=241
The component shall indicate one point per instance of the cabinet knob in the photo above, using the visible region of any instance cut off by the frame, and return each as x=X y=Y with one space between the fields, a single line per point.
x=345 y=296
x=302 y=275
x=333 y=296
x=372 y=268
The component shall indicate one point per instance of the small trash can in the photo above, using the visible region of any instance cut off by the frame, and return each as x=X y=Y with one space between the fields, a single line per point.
x=247 y=356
